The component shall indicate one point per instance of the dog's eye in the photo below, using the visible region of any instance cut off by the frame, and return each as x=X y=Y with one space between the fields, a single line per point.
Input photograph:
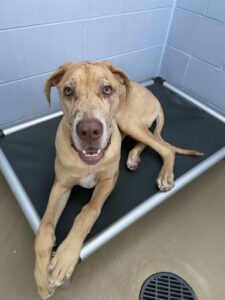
x=107 y=90
x=68 y=91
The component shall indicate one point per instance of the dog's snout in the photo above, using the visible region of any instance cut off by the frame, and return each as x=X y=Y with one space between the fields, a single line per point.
x=89 y=130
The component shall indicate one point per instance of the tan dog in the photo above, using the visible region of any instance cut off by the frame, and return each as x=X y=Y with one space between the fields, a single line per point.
x=95 y=98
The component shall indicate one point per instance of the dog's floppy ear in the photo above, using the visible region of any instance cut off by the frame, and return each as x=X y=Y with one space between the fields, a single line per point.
x=54 y=79
x=118 y=73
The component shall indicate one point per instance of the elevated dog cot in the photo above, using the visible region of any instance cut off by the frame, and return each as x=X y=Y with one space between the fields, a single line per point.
x=27 y=154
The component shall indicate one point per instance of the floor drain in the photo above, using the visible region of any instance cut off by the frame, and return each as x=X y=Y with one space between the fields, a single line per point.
x=166 y=286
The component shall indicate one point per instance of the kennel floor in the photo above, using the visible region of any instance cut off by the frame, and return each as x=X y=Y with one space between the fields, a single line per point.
x=31 y=154
x=184 y=235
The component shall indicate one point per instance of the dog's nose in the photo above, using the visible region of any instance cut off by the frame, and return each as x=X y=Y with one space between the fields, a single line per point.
x=89 y=129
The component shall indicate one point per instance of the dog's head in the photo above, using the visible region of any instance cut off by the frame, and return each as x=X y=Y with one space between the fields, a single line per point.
x=89 y=93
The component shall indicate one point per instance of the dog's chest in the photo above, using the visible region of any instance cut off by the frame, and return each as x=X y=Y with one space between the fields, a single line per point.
x=88 y=182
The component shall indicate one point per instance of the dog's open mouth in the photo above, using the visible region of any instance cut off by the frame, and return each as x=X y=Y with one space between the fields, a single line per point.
x=92 y=155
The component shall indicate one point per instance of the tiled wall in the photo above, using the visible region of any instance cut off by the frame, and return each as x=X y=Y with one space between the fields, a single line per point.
x=37 y=36
x=195 y=54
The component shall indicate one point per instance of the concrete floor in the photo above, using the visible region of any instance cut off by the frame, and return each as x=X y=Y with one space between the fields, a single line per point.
x=185 y=235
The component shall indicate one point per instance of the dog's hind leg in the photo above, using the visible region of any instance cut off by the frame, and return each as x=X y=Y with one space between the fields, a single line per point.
x=141 y=133
x=134 y=159
x=159 y=123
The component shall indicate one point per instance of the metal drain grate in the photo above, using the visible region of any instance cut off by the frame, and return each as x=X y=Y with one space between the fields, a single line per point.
x=166 y=286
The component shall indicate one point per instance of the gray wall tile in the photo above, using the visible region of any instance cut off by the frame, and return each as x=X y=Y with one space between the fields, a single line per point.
x=134 y=5
x=140 y=65
x=194 y=5
x=18 y=13
x=96 y=8
x=216 y=10
x=36 y=50
x=68 y=10
x=117 y=35
x=157 y=26
x=198 y=36
x=196 y=47
x=114 y=35
x=206 y=81
x=174 y=65
x=23 y=99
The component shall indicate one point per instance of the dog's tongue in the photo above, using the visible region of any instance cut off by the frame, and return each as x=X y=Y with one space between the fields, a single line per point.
x=91 y=155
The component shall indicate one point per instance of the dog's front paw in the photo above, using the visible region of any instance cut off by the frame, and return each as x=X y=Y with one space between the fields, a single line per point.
x=63 y=264
x=42 y=281
x=165 y=181
x=43 y=246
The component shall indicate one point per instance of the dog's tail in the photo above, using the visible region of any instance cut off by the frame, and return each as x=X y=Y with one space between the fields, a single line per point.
x=157 y=133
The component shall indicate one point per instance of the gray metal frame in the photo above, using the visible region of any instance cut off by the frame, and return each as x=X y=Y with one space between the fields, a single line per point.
x=142 y=209
x=19 y=192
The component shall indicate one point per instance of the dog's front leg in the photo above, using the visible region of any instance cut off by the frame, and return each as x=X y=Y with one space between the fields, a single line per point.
x=63 y=263
x=46 y=237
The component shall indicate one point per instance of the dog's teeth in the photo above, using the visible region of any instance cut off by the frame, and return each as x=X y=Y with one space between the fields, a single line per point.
x=92 y=154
